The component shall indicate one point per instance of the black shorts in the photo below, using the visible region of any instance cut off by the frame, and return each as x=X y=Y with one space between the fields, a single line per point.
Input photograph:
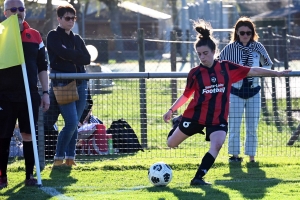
x=189 y=127
x=11 y=111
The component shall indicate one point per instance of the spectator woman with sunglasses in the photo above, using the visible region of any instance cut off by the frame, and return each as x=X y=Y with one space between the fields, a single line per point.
x=245 y=99
x=68 y=54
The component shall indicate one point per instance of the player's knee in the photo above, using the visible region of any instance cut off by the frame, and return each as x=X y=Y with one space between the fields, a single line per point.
x=172 y=144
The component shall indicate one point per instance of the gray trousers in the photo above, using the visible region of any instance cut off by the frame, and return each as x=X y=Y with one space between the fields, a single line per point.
x=251 y=108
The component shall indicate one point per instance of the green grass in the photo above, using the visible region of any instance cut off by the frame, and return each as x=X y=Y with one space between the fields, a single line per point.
x=275 y=176
x=126 y=178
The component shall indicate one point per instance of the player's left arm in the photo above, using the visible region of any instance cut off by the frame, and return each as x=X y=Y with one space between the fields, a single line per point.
x=259 y=71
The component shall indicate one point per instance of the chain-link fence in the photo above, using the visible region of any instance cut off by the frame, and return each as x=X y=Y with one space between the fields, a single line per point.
x=142 y=87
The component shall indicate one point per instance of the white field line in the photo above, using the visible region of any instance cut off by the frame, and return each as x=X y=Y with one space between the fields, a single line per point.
x=54 y=193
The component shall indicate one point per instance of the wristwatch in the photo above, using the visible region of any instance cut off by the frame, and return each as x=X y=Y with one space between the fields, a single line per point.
x=46 y=92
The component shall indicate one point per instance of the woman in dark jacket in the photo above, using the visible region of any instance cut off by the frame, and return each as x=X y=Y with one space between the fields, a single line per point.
x=68 y=54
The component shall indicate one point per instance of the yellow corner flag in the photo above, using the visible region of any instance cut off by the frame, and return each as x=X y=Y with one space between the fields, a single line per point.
x=11 y=50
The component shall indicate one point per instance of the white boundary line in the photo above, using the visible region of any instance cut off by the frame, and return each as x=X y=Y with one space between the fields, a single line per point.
x=54 y=193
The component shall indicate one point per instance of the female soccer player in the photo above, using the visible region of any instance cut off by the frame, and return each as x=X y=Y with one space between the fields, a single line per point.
x=210 y=82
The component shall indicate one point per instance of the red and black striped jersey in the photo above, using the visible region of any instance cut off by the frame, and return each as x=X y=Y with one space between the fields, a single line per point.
x=211 y=89
x=11 y=79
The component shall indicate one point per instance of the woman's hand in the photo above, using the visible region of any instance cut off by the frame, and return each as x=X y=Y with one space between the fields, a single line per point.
x=167 y=116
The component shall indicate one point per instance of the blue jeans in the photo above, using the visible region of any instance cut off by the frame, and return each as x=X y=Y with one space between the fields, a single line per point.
x=71 y=114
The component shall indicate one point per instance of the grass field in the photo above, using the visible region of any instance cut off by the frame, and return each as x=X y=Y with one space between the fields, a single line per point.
x=126 y=178
x=274 y=176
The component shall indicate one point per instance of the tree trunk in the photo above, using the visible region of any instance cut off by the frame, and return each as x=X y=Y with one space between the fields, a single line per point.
x=49 y=21
x=115 y=28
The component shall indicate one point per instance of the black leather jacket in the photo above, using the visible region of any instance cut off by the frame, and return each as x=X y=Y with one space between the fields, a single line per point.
x=67 y=53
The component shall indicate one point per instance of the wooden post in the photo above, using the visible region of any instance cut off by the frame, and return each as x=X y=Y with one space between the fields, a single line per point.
x=287 y=81
x=173 y=38
x=274 y=99
x=142 y=85
x=264 y=106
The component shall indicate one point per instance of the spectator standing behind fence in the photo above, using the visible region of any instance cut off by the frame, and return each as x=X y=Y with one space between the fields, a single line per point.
x=68 y=54
x=13 y=102
x=51 y=117
x=245 y=94
x=210 y=82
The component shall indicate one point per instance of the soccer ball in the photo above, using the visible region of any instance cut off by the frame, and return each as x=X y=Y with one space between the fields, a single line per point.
x=160 y=174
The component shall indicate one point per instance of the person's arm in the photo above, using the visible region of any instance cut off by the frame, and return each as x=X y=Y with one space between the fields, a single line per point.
x=188 y=92
x=43 y=77
x=85 y=57
x=177 y=104
x=55 y=45
x=42 y=65
x=258 y=71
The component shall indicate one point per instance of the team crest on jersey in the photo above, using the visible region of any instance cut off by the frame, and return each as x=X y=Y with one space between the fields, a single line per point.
x=213 y=79
x=28 y=35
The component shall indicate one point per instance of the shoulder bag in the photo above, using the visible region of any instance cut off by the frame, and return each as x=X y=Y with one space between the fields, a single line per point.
x=66 y=94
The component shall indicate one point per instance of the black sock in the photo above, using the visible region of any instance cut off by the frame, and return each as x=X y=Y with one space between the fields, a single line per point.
x=207 y=161
x=29 y=158
x=4 y=153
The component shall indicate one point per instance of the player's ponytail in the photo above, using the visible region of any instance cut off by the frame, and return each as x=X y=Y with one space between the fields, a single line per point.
x=204 y=37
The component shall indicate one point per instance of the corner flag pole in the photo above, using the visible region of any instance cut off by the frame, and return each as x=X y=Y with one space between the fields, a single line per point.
x=32 y=128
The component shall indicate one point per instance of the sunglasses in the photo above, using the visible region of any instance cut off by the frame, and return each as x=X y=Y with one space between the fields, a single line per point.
x=247 y=32
x=70 y=18
x=14 y=9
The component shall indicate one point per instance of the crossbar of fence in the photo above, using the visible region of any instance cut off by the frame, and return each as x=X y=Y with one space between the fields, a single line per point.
x=142 y=75
x=173 y=76
x=122 y=75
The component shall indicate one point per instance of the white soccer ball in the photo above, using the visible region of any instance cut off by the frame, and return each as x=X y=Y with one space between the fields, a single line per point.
x=160 y=174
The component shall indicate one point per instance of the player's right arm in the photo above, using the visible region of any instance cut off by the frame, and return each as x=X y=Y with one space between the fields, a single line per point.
x=177 y=104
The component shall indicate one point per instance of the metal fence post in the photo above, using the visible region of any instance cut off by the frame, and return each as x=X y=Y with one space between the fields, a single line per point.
x=143 y=97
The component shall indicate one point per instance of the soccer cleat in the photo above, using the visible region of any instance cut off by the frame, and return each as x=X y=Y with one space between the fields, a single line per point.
x=235 y=159
x=198 y=181
x=3 y=182
x=31 y=182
